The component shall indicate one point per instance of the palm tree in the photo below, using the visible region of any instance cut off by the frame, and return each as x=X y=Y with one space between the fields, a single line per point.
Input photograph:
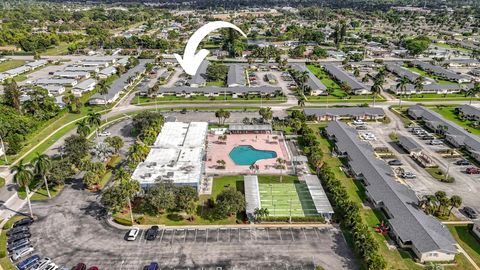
x=23 y=177
x=402 y=86
x=472 y=92
x=129 y=188
x=281 y=165
x=94 y=120
x=301 y=101
x=329 y=91
x=103 y=90
x=377 y=88
x=455 y=201
x=303 y=79
x=83 y=129
x=42 y=164
x=419 y=84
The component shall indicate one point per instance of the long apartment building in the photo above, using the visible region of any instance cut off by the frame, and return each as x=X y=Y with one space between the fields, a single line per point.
x=409 y=226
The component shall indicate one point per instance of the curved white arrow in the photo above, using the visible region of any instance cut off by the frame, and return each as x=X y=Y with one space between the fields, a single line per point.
x=191 y=61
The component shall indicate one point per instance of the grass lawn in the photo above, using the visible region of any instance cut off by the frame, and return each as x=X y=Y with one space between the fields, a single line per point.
x=41 y=194
x=449 y=114
x=427 y=75
x=220 y=183
x=439 y=97
x=11 y=64
x=396 y=258
x=448 y=46
x=439 y=174
x=464 y=236
x=2 y=182
x=61 y=49
x=216 y=83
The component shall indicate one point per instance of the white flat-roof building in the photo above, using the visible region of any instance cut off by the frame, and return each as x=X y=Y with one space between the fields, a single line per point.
x=85 y=86
x=177 y=155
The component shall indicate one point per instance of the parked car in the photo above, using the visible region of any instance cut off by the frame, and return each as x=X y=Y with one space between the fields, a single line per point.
x=51 y=266
x=23 y=222
x=152 y=233
x=18 y=237
x=19 y=253
x=435 y=142
x=361 y=127
x=152 y=266
x=80 y=266
x=19 y=244
x=42 y=264
x=132 y=234
x=462 y=162
x=427 y=137
x=472 y=170
x=19 y=229
x=470 y=212
x=29 y=262
x=104 y=134
x=358 y=123
x=395 y=162
x=408 y=175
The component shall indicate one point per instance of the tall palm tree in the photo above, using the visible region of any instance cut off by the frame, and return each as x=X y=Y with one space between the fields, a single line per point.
x=419 y=84
x=472 y=92
x=83 y=129
x=303 y=80
x=301 y=101
x=94 y=120
x=42 y=164
x=103 y=90
x=129 y=188
x=329 y=91
x=281 y=165
x=402 y=86
x=23 y=177
x=455 y=201
x=377 y=87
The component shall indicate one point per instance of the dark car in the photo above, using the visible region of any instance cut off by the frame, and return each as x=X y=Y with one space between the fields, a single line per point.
x=23 y=222
x=80 y=266
x=19 y=244
x=19 y=229
x=152 y=266
x=470 y=212
x=463 y=162
x=395 y=162
x=18 y=237
x=472 y=170
x=152 y=233
x=29 y=262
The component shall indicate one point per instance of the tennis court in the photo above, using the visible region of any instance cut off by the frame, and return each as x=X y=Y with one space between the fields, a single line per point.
x=281 y=199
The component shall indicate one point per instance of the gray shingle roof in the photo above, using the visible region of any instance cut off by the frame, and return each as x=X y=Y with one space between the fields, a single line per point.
x=343 y=76
x=344 y=111
x=440 y=71
x=403 y=72
x=221 y=90
x=469 y=110
x=236 y=75
x=409 y=144
x=201 y=76
x=407 y=221
x=454 y=131
x=313 y=82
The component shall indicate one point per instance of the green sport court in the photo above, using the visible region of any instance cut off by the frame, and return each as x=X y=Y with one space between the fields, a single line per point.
x=281 y=199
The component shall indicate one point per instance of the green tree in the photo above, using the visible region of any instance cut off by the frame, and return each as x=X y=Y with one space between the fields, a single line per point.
x=280 y=164
x=90 y=179
x=76 y=147
x=455 y=201
x=402 y=86
x=229 y=202
x=94 y=120
x=116 y=142
x=160 y=197
x=266 y=113
x=217 y=72
x=12 y=95
x=83 y=129
x=23 y=177
x=376 y=89
x=473 y=92
x=42 y=164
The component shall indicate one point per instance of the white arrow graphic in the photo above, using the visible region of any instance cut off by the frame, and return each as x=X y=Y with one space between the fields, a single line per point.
x=191 y=61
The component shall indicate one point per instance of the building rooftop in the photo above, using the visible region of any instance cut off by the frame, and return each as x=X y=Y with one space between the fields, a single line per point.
x=243 y=127
x=404 y=72
x=439 y=70
x=201 y=76
x=86 y=84
x=236 y=75
x=313 y=82
x=344 y=111
x=319 y=197
x=344 y=77
x=469 y=110
x=407 y=221
x=221 y=90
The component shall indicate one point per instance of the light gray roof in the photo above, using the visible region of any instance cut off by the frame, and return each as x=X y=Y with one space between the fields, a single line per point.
x=318 y=195
x=108 y=70
x=201 y=76
x=454 y=131
x=343 y=76
x=441 y=71
x=18 y=70
x=56 y=81
x=438 y=87
x=469 y=110
x=119 y=84
x=252 y=195
x=403 y=72
x=71 y=74
x=313 y=82
x=243 y=127
x=85 y=84
x=344 y=111
x=409 y=144
x=81 y=68
x=236 y=75
x=221 y=90
x=37 y=63
x=407 y=221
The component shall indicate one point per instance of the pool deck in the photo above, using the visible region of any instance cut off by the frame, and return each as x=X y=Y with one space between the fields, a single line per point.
x=219 y=150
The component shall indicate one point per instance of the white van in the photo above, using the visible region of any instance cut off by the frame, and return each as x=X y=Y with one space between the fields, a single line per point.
x=22 y=252
x=42 y=264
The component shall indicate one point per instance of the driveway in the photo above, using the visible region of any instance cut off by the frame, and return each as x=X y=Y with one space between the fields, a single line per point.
x=71 y=228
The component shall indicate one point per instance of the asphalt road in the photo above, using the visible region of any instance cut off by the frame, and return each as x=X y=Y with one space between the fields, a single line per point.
x=71 y=228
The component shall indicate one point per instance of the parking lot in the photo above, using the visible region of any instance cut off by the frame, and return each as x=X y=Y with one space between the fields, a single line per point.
x=71 y=228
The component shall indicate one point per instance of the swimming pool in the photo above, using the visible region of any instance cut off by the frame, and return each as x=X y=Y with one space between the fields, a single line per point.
x=247 y=155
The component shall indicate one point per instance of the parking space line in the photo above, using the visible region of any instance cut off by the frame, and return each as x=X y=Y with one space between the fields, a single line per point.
x=268 y=235
x=238 y=235
x=195 y=238
x=304 y=233
x=185 y=236
x=315 y=230
x=161 y=237
x=280 y=233
x=171 y=238
x=218 y=234
x=206 y=236
x=291 y=232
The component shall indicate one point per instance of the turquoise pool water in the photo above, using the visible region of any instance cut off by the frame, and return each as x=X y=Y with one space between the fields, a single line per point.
x=247 y=155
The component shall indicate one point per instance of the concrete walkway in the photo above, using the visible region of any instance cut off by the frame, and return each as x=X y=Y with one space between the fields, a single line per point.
x=461 y=250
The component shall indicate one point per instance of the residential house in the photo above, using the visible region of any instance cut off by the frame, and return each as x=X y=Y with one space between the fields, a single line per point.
x=83 y=87
x=342 y=76
x=341 y=113
x=236 y=75
x=315 y=86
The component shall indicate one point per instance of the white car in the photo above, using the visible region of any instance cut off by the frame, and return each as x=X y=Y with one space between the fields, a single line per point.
x=22 y=252
x=132 y=234
x=42 y=264
x=358 y=123
x=51 y=266
x=104 y=134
